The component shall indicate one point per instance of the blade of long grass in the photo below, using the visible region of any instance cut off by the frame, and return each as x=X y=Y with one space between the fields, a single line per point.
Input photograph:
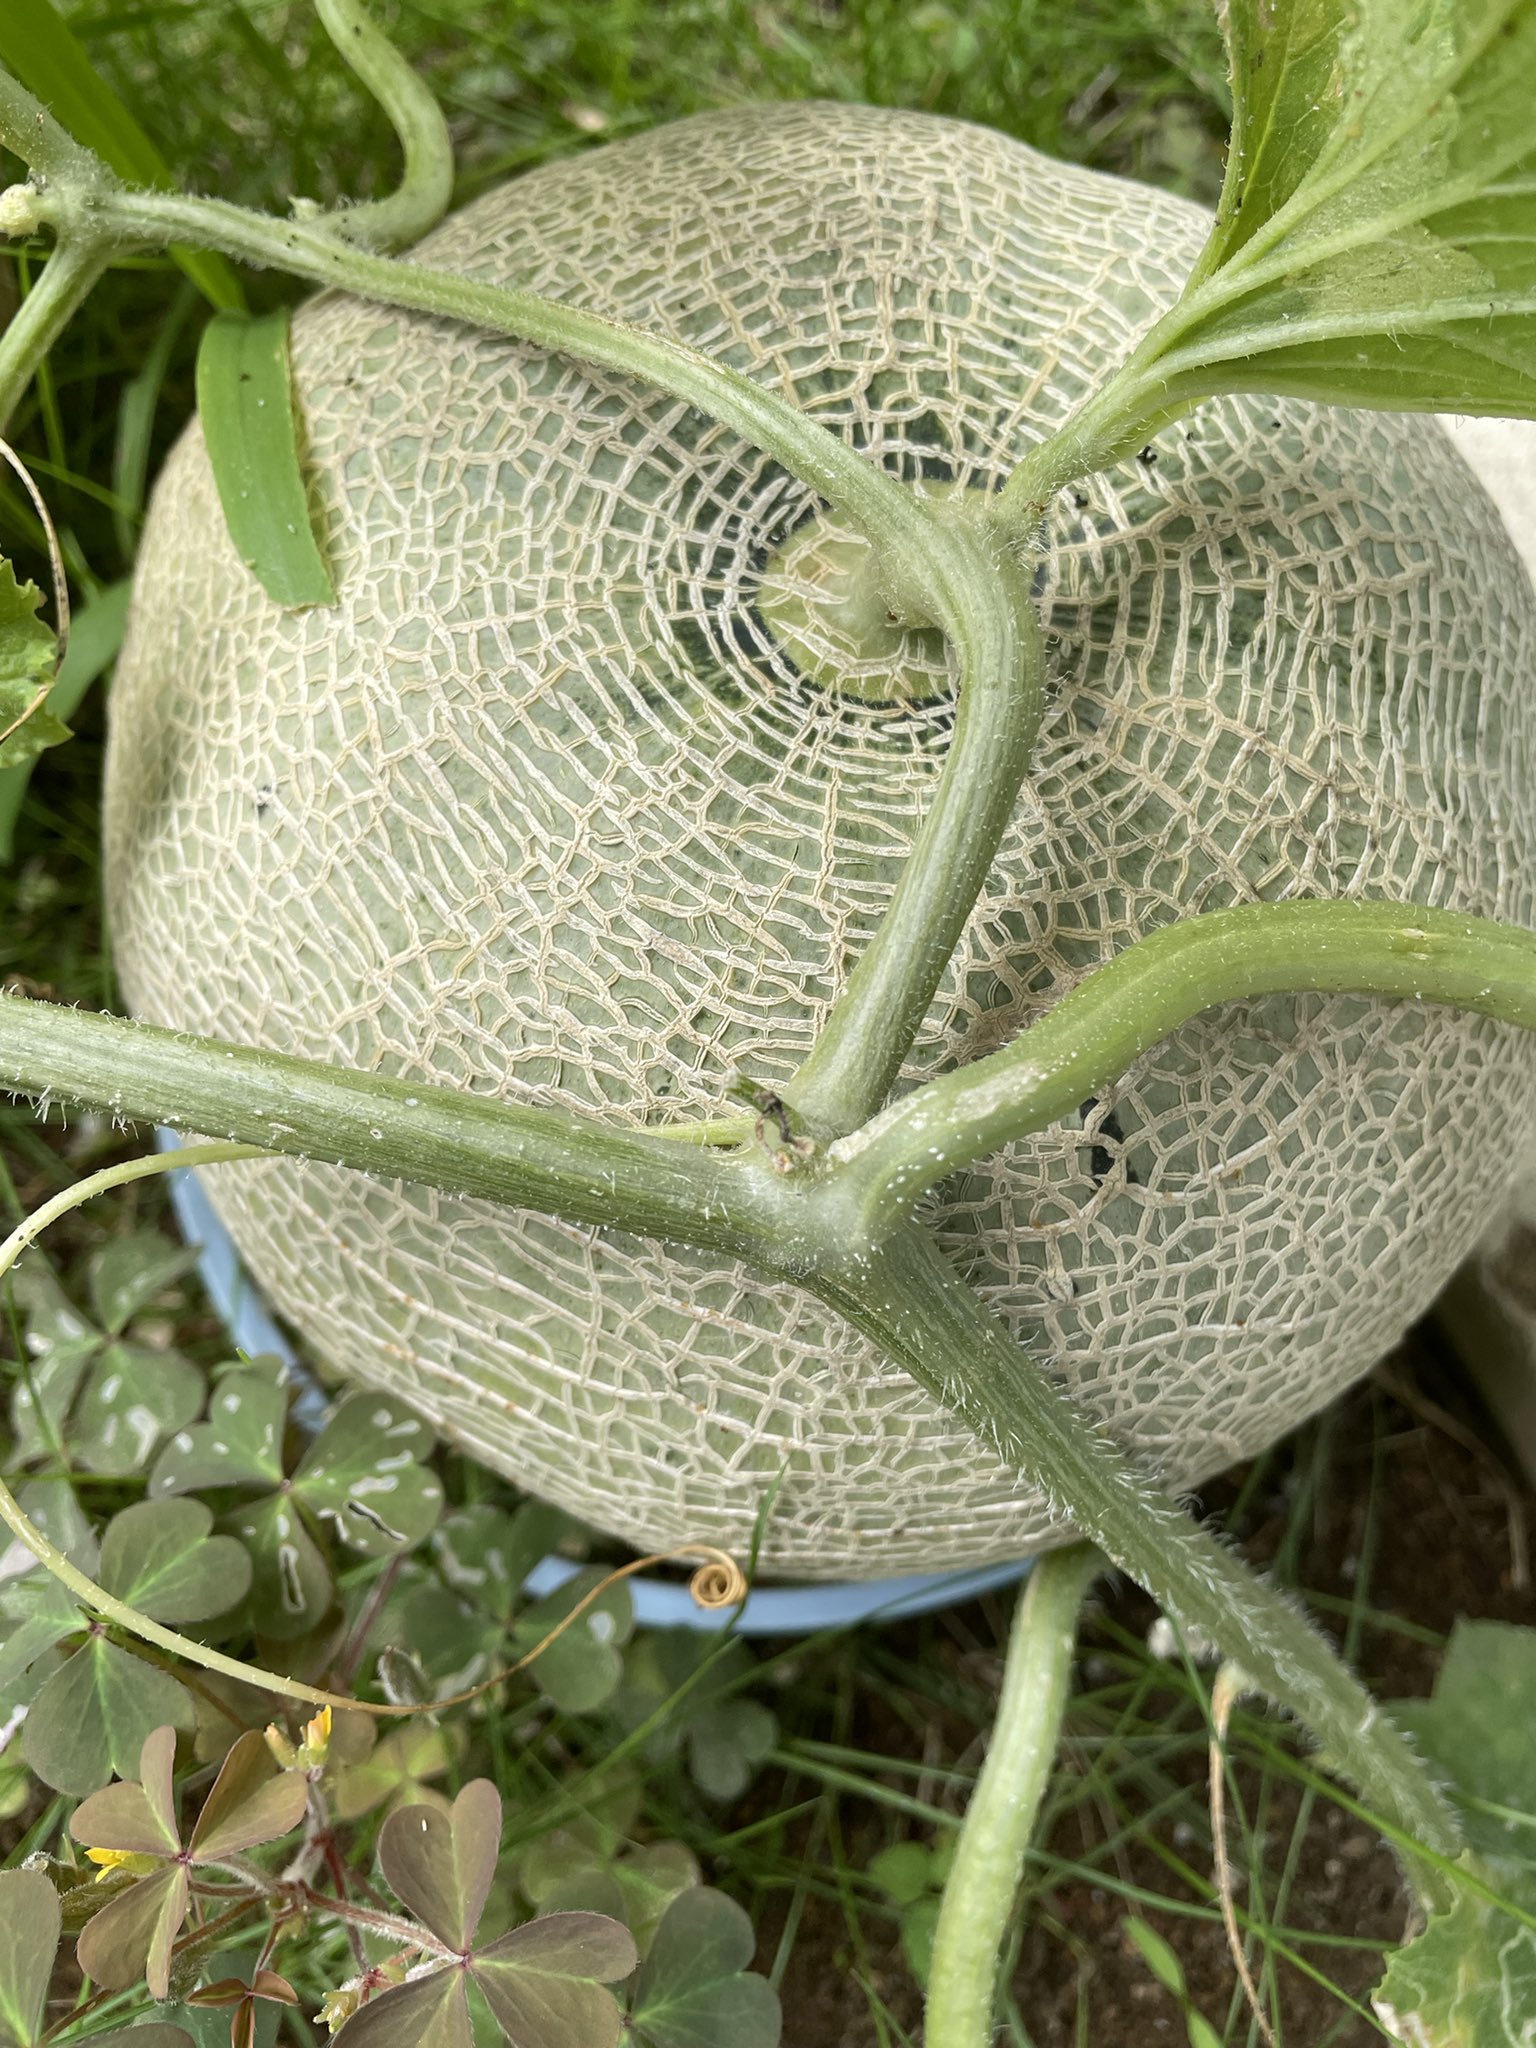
x=245 y=400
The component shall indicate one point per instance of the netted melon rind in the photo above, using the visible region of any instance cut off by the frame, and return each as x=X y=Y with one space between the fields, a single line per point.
x=538 y=809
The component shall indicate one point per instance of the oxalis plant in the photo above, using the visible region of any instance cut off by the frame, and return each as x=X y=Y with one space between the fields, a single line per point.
x=1369 y=249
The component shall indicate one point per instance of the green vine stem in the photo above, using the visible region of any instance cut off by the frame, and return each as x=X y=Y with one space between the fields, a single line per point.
x=984 y=1878
x=58 y=292
x=926 y=1318
x=904 y=528
x=870 y=1028
x=532 y=1158
x=1120 y=1010
x=891 y=1283
x=421 y=198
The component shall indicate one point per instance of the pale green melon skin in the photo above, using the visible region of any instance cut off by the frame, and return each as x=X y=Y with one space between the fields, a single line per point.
x=536 y=809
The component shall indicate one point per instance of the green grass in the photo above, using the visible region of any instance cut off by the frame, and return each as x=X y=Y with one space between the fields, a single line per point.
x=880 y=1733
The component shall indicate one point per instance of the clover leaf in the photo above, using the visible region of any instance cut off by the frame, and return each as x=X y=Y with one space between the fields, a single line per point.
x=724 y=1738
x=578 y=1870
x=545 y=1983
x=912 y=1878
x=362 y=1476
x=30 y=1925
x=694 y=1990
x=133 y=1826
x=113 y=1401
x=465 y=1617
x=398 y=1769
x=89 y=1716
x=28 y=661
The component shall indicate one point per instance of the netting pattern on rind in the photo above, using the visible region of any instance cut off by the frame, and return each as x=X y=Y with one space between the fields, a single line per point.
x=541 y=809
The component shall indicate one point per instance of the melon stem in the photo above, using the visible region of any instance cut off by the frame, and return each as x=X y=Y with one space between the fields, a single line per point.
x=1000 y=1818
x=1121 y=1010
x=907 y=1297
x=897 y=520
x=870 y=1028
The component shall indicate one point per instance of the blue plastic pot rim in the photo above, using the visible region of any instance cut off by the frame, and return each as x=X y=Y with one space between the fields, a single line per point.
x=659 y=1603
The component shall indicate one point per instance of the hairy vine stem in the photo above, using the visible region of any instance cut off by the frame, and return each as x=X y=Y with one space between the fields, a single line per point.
x=421 y=198
x=909 y=1299
x=1000 y=1819
x=1121 y=1010
x=888 y=1279
x=57 y=294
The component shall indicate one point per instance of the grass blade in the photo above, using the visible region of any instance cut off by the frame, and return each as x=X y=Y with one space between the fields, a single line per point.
x=245 y=398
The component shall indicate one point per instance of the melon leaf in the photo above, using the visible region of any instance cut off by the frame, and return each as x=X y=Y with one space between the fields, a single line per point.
x=95 y=634
x=1469 y=1979
x=1372 y=245
x=28 y=659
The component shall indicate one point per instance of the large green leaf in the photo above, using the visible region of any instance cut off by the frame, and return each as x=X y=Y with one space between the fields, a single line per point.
x=1480 y=1729
x=1469 y=1979
x=1374 y=242
x=95 y=634
x=29 y=1935
x=245 y=403
x=50 y=62
x=693 y=1990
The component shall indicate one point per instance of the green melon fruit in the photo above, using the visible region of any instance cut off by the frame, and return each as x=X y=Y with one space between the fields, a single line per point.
x=552 y=806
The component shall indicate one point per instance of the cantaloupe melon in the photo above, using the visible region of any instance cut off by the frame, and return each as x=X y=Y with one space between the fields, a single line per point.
x=550 y=807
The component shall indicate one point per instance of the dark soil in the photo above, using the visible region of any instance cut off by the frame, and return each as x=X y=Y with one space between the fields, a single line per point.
x=1449 y=1540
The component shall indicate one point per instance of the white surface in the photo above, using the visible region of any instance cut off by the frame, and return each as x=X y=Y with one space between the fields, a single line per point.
x=1502 y=455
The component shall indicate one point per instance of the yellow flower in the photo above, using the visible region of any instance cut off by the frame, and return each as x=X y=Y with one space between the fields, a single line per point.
x=131 y=1860
x=316 y=1741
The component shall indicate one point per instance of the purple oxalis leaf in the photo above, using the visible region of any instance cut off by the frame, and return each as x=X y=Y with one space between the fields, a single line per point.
x=545 y=1982
x=440 y=1865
